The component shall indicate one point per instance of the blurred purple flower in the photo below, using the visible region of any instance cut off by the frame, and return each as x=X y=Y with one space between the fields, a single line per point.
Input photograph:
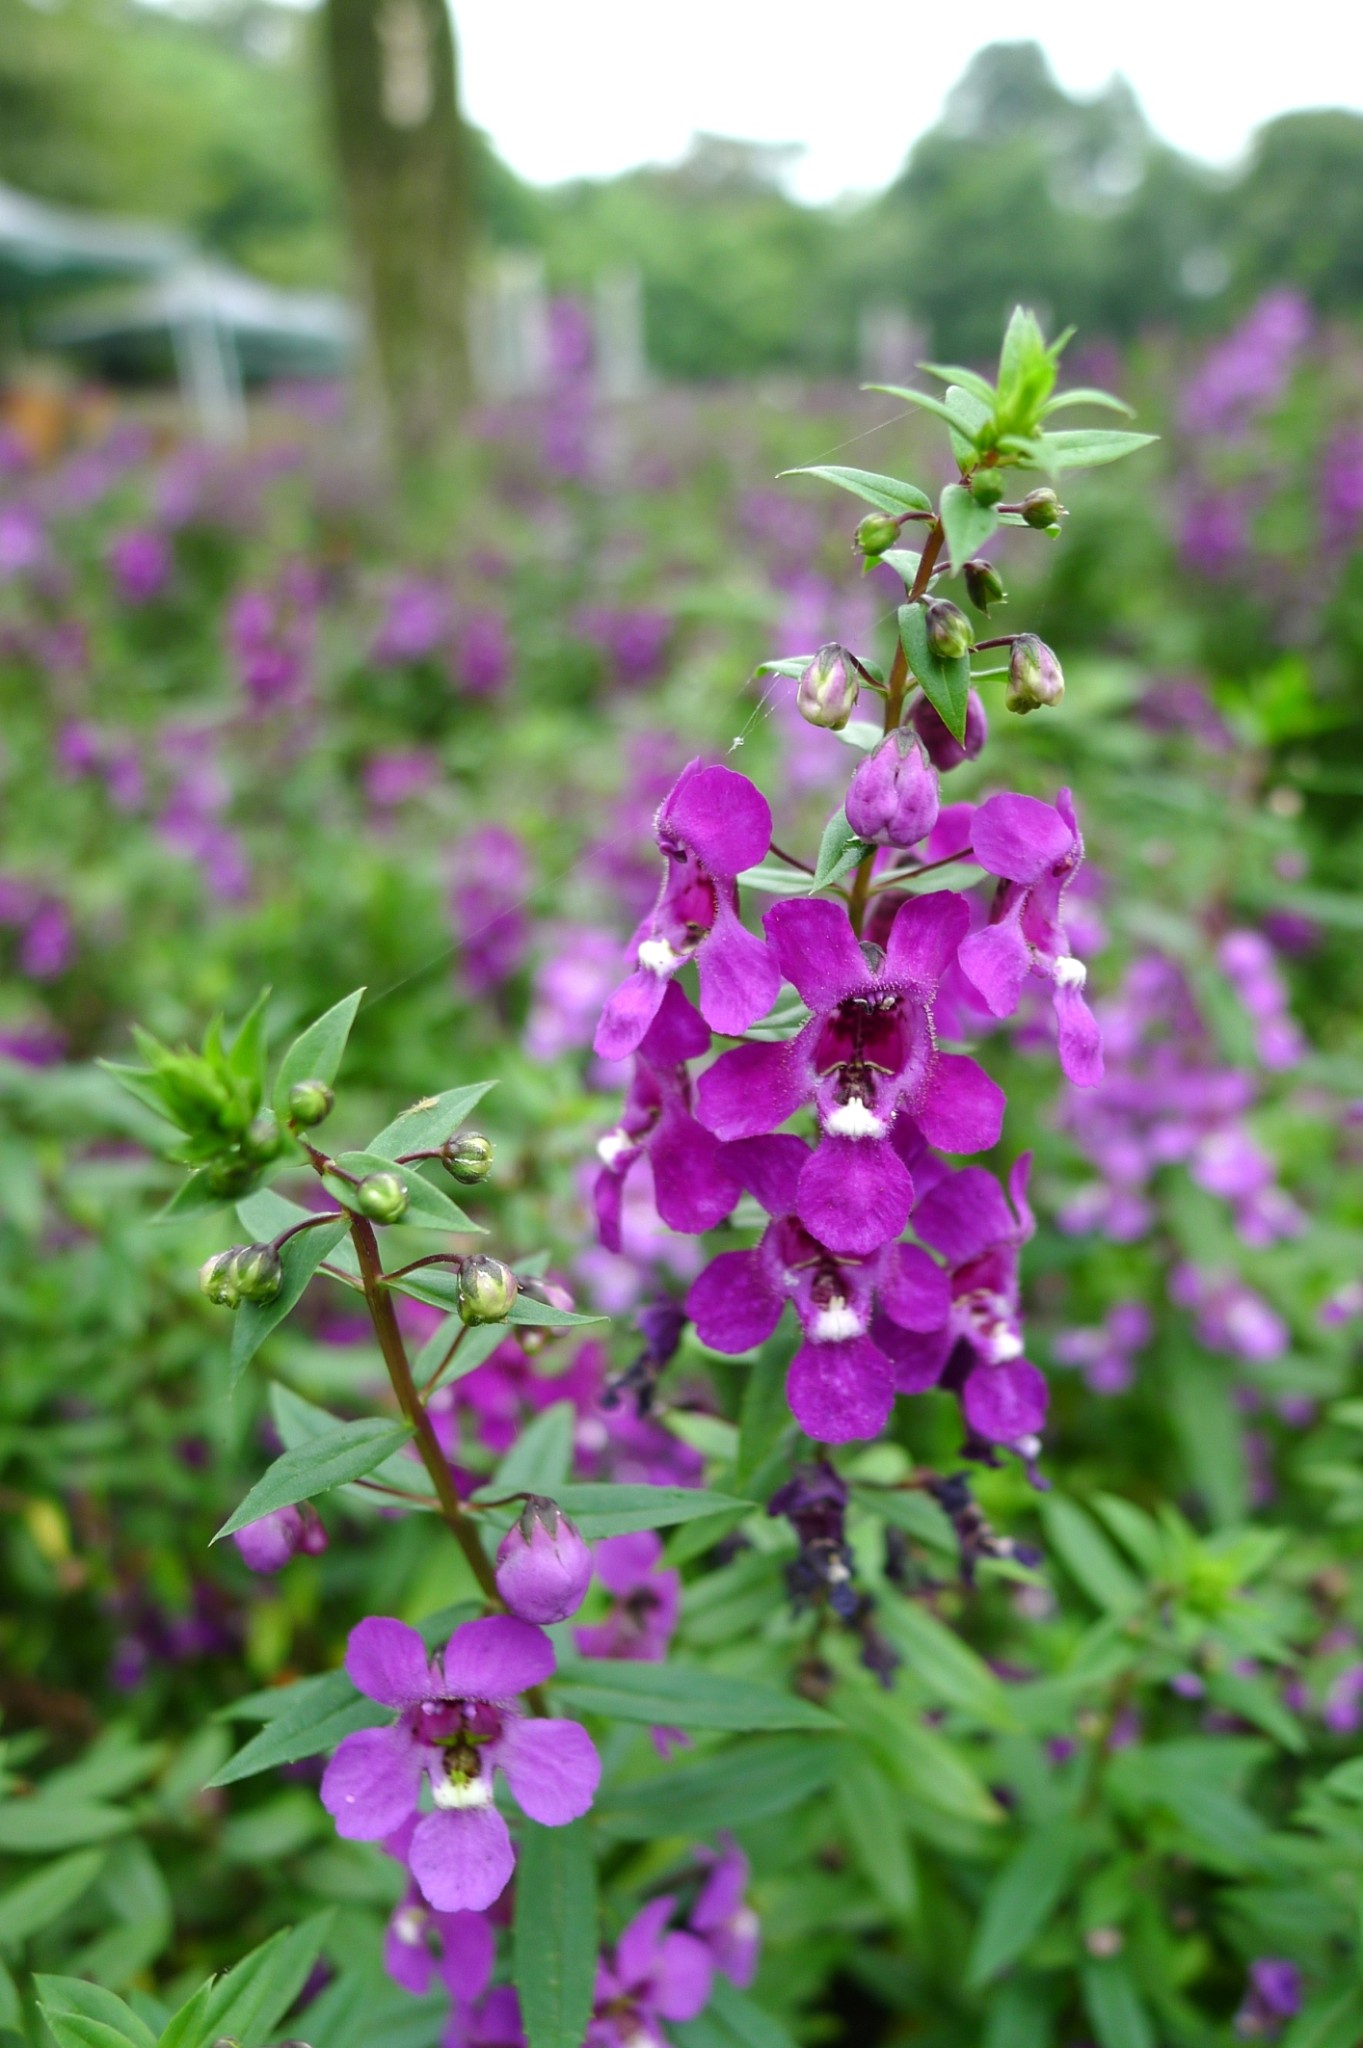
x=490 y=880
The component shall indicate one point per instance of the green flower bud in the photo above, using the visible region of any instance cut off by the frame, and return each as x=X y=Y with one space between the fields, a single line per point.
x=828 y=689
x=1035 y=678
x=1041 y=507
x=468 y=1157
x=984 y=586
x=382 y=1196
x=231 y=1175
x=487 y=1290
x=987 y=486
x=949 y=630
x=218 y=1280
x=258 y=1274
x=310 y=1102
x=877 y=531
x=264 y=1140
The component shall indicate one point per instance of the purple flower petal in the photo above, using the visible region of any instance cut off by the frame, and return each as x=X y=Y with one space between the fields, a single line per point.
x=739 y=975
x=840 y=1391
x=552 y=1768
x=1004 y=1403
x=817 y=949
x=496 y=1658
x=682 y=1977
x=770 y=1169
x=677 y=1033
x=628 y=1013
x=372 y=1784
x=624 y=1563
x=964 y=1108
x=733 y=1304
x=913 y=1292
x=997 y=962
x=753 y=1088
x=918 y=1360
x=636 y=1952
x=388 y=1662
x=721 y=816
x=964 y=1215
x=924 y=937
x=1081 y=1041
x=469 y=1951
x=693 y=1185
x=1019 y=837
x=855 y=1194
x=406 y=1955
x=463 y=1858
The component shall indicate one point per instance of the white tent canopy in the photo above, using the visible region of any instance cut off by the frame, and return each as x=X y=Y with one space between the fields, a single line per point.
x=42 y=246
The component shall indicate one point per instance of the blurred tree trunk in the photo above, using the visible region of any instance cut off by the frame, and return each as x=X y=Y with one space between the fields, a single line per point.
x=405 y=170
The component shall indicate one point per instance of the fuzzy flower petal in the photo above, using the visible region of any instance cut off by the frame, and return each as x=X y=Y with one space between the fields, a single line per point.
x=463 y=1860
x=552 y=1768
x=496 y=1658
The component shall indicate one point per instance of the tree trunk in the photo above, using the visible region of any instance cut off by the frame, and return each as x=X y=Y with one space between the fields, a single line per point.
x=404 y=162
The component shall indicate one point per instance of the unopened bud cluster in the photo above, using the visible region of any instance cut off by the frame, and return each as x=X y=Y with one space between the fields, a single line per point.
x=245 y=1272
x=487 y=1289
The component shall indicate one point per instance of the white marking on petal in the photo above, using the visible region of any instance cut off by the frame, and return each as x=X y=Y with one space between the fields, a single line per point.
x=854 y=1120
x=456 y=1794
x=655 y=956
x=409 y=1925
x=1028 y=1446
x=836 y=1322
x=611 y=1148
x=1069 y=972
x=1005 y=1344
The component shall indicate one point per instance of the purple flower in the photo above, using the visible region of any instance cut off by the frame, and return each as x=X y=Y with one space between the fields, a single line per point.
x=866 y=1058
x=48 y=945
x=1228 y=1316
x=267 y=1545
x=693 y=1186
x=457 y=1723
x=543 y=1566
x=892 y=797
x=1247 y=372
x=394 y=777
x=1034 y=848
x=841 y=1384
x=420 y=1942
x=711 y=825
x=482 y=661
x=414 y=625
x=723 y=1919
x=1272 y=1997
x=1106 y=1354
x=645 y=1606
x=23 y=540
x=1341 y=490
x=1250 y=966
x=491 y=879
x=571 y=983
x=140 y=562
x=653 y=1975
x=942 y=747
x=977 y=1348
x=494 y=2021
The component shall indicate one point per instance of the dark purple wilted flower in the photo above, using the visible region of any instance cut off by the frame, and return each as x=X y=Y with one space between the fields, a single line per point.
x=646 y=1602
x=1034 y=848
x=942 y=747
x=814 y=1502
x=140 y=562
x=841 y=1384
x=977 y=1349
x=722 y=1917
x=693 y=1187
x=711 y=825
x=866 y=1058
x=652 y=1976
x=1272 y=1998
x=457 y=1723
x=267 y=1545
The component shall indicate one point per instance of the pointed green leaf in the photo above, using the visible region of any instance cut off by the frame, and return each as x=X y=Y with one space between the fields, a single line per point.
x=554 y=1943
x=1088 y=447
x=344 y=1453
x=313 y=1715
x=925 y=399
x=1115 y=2007
x=316 y=1053
x=428 y=1206
x=969 y=380
x=1087 y=396
x=968 y=524
x=427 y=1124
x=946 y=684
x=743 y=1782
x=601 y=1509
x=71 y=1999
x=681 y=1695
x=35 y=1902
x=248 y=2003
x=300 y=1258
x=1022 y=1898
x=541 y=1457
x=1088 y=1556
x=47 y=1821
x=886 y=493
x=839 y=852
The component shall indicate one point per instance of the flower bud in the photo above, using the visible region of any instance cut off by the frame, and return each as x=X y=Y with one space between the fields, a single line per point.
x=987 y=486
x=218 y=1279
x=383 y=1197
x=828 y=689
x=942 y=747
x=543 y=1566
x=310 y=1102
x=1035 y=679
x=950 y=634
x=468 y=1157
x=267 y=1545
x=533 y=1337
x=487 y=1289
x=892 y=797
x=258 y=1274
x=1041 y=507
x=984 y=586
x=877 y=531
x=264 y=1140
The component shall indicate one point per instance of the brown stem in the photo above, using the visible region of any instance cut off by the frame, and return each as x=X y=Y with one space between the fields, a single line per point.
x=311 y=1223
x=384 y=1318
x=790 y=859
x=927 y=867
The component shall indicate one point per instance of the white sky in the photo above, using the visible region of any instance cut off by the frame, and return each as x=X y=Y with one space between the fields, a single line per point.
x=585 y=88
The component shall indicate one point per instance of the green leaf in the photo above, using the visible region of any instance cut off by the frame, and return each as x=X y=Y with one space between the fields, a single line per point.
x=183 y=2028
x=1115 y=2007
x=839 y=852
x=775 y=878
x=343 y=1454
x=428 y=1206
x=968 y=524
x=946 y=1668
x=543 y=1315
x=541 y=1458
x=1022 y=1898
x=1089 y=447
x=300 y=1258
x=1086 y=395
x=680 y=1694
x=555 y=1933
x=746 y=2022
x=886 y=493
x=1334 y=2020
x=314 y=1715
x=1088 y=1556
x=1255 y=1700
x=867 y=1806
x=744 y=1782
x=247 y=2004
x=71 y=2006
x=316 y=1053
x=946 y=684
x=969 y=380
x=36 y=1901
x=602 y=1509
x=924 y=399
x=764 y=1417
x=427 y=1124
x=477 y=1342
x=46 y=1822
